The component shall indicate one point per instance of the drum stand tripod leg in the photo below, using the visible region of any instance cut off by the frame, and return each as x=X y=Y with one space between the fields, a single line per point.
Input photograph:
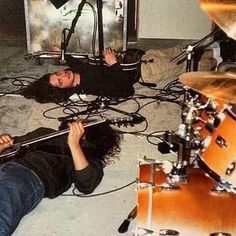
x=125 y=225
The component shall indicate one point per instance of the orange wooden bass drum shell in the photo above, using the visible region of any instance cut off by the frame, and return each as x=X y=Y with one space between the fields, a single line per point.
x=192 y=210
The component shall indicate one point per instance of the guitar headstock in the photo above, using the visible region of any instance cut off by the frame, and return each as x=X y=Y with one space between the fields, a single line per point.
x=127 y=121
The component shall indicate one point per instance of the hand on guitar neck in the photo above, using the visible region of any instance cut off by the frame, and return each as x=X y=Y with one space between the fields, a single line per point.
x=6 y=141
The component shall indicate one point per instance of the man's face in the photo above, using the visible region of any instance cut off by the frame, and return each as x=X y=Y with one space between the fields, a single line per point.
x=62 y=79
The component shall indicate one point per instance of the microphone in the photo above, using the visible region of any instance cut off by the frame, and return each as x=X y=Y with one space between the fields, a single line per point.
x=62 y=60
x=63 y=47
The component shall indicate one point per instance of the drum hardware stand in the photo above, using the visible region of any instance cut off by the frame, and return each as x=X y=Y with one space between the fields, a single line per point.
x=146 y=160
x=183 y=140
x=187 y=53
x=178 y=171
x=185 y=132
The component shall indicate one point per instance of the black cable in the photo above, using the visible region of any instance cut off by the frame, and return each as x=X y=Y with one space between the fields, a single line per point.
x=151 y=135
x=98 y=194
x=17 y=82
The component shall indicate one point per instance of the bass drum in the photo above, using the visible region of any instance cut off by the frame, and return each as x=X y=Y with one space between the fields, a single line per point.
x=218 y=156
x=194 y=207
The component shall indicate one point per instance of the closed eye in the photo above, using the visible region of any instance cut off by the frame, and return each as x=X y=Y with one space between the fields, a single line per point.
x=59 y=82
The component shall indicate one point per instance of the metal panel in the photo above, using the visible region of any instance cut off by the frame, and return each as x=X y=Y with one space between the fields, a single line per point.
x=45 y=23
x=172 y=19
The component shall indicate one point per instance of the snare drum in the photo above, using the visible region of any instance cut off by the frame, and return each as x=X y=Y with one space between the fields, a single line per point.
x=219 y=151
x=187 y=208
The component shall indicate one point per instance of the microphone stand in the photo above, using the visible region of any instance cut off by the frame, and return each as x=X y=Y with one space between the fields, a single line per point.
x=184 y=132
x=189 y=51
x=66 y=39
x=101 y=48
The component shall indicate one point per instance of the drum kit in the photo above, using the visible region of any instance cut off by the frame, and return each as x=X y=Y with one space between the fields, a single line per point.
x=196 y=195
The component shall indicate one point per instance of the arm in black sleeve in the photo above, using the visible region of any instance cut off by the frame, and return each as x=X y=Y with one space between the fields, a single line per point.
x=33 y=134
x=87 y=179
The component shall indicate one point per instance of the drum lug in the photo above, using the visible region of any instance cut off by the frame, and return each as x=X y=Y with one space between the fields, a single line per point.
x=177 y=179
x=169 y=187
x=230 y=168
x=168 y=232
x=162 y=232
x=228 y=187
x=218 y=189
x=221 y=142
x=141 y=185
x=142 y=231
x=206 y=143
x=220 y=234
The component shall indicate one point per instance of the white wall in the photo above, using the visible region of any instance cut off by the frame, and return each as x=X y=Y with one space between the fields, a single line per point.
x=172 y=19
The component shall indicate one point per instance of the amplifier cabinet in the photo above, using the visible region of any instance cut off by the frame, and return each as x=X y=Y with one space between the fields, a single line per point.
x=45 y=24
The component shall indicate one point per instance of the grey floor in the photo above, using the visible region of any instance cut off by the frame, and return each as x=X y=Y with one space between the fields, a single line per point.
x=89 y=216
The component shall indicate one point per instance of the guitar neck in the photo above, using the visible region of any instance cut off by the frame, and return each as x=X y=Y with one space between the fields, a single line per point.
x=16 y=147
x=55 y=134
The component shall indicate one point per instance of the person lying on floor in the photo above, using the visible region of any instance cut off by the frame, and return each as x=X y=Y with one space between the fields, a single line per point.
x=48 y=168
x=86 y=78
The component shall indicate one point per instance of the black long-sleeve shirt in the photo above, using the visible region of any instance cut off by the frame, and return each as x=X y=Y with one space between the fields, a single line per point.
x=51 y=160
x=111 y=81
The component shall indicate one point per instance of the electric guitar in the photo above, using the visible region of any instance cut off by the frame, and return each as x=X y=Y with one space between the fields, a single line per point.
x=15 y=149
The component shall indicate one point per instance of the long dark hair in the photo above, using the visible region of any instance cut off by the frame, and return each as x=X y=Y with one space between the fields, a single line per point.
x=101 y=141
x=42 y=91
x=105 y=140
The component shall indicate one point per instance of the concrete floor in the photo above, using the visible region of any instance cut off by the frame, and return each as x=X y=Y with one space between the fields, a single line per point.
x=88 y=216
